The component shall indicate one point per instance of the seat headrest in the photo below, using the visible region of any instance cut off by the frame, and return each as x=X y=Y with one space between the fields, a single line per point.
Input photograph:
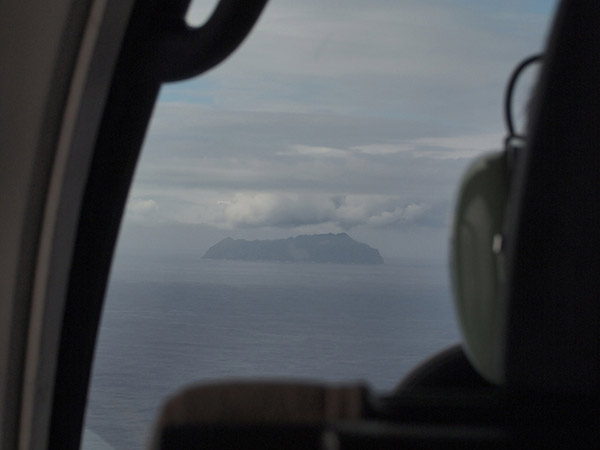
x=553 y=288
x=528 y=286
x=260 y=403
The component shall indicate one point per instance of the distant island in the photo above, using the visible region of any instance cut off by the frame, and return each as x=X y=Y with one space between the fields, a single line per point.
x=322 y=248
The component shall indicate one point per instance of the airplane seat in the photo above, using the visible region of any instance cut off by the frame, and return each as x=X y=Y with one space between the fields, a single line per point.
x=255 y=414
x=448 y=369
x=543 y=327
x=525 y=247
x=525 y=252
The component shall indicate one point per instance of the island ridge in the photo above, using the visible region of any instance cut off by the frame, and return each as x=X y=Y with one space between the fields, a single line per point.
x=322 y=248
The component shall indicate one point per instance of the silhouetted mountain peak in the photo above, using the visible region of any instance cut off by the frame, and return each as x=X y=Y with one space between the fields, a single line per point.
x=335 y=248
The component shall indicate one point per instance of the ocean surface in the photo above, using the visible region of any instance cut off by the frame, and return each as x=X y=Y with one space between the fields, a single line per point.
x=177 y=320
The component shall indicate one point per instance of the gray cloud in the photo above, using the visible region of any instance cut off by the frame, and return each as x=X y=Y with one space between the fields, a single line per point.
x=300 y=172
x=290 y=210
x=353 y=115
x=341 y=211
x=141 y=209
x=303 y=151
x=378 y=58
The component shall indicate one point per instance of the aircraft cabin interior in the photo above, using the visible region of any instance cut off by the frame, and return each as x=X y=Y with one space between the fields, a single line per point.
x=78 y=85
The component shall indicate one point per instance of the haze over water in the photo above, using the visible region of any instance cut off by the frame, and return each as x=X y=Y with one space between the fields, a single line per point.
x=179 y=320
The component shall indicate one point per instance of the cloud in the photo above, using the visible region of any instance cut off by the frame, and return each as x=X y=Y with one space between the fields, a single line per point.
x=314 y=151
x=277 y=210
x=334 y=116
x=457 y=147
x=289 y=210
x=141 y=209
x=233 y=170
x=385 y=149
x=375 y=58
x=142 y=206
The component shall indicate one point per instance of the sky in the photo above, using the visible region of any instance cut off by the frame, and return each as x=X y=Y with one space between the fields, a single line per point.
x=333 y=116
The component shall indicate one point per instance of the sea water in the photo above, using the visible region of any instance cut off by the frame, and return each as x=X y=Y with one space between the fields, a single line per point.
x=172 y=321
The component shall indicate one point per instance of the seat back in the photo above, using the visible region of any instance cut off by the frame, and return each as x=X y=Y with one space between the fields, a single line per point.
x=529 y=303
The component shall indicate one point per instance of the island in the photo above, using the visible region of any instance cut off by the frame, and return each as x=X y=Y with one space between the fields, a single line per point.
x=321 y=248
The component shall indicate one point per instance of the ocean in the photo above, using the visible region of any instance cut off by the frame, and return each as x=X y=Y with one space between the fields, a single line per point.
x=176 y=320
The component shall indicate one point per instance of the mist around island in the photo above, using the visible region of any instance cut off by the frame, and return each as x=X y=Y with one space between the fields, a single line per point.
x=320 y=248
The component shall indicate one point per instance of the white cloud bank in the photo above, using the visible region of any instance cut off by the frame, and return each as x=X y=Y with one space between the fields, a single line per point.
x=293 y=211
x=141 y=209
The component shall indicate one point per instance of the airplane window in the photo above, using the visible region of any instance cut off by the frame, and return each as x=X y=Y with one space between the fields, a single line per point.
x=344 y=127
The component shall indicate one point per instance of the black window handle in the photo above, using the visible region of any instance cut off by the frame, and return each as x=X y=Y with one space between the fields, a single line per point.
x=184 y=52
